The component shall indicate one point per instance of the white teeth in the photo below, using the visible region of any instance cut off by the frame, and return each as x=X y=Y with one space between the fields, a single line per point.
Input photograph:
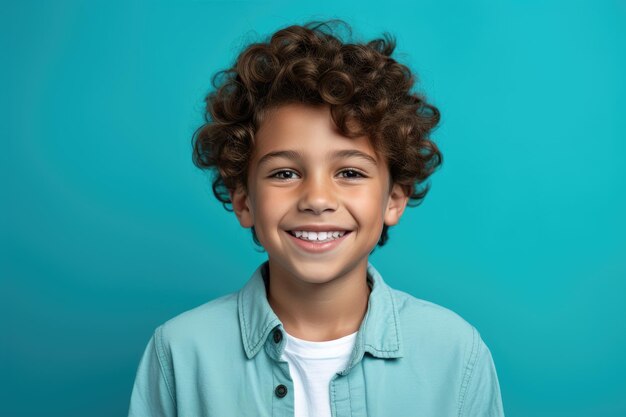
x=317 y=236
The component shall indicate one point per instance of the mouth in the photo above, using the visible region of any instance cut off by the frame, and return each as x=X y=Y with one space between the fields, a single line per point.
x=317 y=242
x=318 y=237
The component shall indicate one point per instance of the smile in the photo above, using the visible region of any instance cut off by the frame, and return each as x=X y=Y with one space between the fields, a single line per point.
x=317 y=236
x=317 y=242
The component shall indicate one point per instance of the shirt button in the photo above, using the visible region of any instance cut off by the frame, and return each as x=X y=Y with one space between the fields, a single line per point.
x=278 y=336
x=280 y=391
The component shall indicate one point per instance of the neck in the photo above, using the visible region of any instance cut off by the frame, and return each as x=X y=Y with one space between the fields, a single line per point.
x=319 y=311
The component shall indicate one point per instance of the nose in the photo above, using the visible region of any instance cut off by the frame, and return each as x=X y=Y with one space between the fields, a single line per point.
x=318 y=194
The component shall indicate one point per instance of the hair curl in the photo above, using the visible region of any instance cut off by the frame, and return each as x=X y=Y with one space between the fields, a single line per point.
x=309 y=64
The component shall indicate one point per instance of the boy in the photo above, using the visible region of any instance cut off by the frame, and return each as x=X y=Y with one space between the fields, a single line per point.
x=319 y=146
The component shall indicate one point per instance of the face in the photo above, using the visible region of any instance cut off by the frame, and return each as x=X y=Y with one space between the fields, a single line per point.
x=305 y=176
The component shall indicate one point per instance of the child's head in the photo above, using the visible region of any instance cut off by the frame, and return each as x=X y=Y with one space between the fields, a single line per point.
x=365 y=92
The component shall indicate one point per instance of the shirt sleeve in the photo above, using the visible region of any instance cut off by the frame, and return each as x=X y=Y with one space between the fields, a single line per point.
x=482 y=396
x=152 y=393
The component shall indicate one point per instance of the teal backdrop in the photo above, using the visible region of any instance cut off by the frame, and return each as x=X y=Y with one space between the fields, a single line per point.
x=109 y=230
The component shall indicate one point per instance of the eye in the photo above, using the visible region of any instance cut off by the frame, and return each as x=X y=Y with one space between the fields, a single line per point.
x=352 y=174
x=284 y=174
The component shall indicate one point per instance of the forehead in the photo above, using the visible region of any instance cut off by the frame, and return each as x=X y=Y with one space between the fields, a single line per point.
x=305 y=128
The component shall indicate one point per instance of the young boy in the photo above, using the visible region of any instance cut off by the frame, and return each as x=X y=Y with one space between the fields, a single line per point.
x=319 y=146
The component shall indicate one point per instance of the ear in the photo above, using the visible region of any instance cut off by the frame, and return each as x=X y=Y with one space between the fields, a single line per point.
x=242 y=207
x=396 y=204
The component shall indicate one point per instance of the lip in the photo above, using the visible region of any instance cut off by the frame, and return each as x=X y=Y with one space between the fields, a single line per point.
x=320 y=228
x=312 y=247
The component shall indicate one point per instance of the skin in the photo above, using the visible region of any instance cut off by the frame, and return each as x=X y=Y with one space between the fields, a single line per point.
x=320 y=296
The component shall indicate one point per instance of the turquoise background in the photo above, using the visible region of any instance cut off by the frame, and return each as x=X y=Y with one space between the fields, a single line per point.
x=110 y=229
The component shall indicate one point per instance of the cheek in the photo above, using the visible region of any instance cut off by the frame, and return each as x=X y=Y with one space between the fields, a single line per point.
x=369 y=197
x=270 y=210
x=367 y=207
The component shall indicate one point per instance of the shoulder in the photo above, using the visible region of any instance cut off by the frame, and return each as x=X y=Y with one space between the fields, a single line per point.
x=433 y=326
x=213 y=320
x=437 y=342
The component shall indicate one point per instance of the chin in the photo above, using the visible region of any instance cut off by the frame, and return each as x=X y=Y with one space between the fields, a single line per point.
x=317 y=278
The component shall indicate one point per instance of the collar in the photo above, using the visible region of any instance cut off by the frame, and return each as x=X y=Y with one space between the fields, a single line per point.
x=379 y=332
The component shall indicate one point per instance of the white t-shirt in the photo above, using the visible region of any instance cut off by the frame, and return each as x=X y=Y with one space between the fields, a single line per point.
x=312 y=365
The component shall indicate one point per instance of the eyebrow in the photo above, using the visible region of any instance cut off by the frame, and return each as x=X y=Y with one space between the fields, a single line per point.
x=297 y=156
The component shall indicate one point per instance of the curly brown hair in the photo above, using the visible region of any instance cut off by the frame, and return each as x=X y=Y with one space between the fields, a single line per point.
x=310 y=64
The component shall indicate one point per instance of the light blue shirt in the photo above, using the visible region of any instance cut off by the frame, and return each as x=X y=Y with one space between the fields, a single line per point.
x=223 y=358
